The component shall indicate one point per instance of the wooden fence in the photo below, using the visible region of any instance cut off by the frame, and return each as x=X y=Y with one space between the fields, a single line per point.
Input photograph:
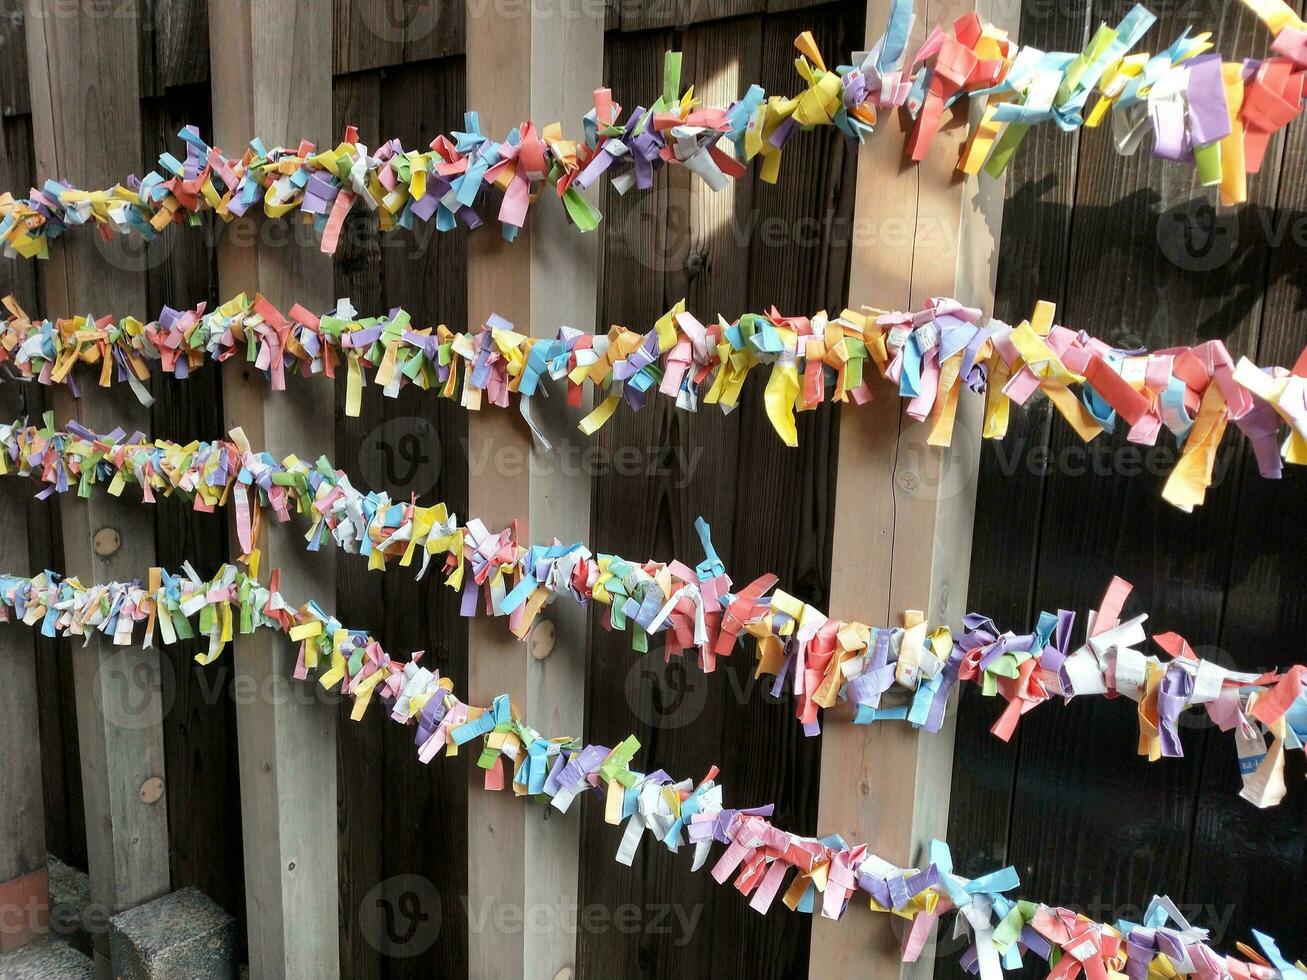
x=1110 y=239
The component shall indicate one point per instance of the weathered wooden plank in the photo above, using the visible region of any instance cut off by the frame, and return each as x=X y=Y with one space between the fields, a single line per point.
x=1264 y=603
x=18 y=279
x=380 y=33
x=65 y=829
x=65 y=813
x=783 y=512
x=181 y=43
x=85 y=61
x=380 y=781
x=274 y=81
x=643 y=15
x=14 y=98
x=24 y=881
x=87 y=274
x=1037 y=219
x=738 y=250
x=357 y=101
x=425 y=272
x=516 y=858
x=885 y=756
x=199 y=717
x=140 y=13
x=903 y=511
x=806 y=265
x=1262 y=606
x=674 y=241
x=368 y=34
x=34 y=696
x=1131 y=280
x=646 y=15
x=780 y=6
x=438 y=29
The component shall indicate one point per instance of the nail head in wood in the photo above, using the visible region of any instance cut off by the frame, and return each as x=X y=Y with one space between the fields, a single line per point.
x=542 y=639
x=106 y=542
x=152 y=791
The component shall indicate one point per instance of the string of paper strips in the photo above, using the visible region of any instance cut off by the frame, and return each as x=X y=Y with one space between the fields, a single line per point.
x=829 y=873
x=902 y=673
x=1185 y=101
x=930 y=355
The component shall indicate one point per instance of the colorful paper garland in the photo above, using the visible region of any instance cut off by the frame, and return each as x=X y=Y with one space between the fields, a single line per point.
x=751 y=838
x=930 y=355
x=901 y=673
x=829 y=872
x=1217 y=116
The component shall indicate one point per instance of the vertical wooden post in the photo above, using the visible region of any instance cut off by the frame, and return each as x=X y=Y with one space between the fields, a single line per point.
x=543 y=65
x=903 y=510
x=24 y=880
x=87 y=129
x=271 y=78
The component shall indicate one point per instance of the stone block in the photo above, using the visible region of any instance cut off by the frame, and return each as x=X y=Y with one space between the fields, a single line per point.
x=70 y=897
x=49 y=960
x=182 y=936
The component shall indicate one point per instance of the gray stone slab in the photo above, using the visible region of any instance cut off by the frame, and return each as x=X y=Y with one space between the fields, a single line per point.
x=50 y=960
x=70 y=898
x=181 y=936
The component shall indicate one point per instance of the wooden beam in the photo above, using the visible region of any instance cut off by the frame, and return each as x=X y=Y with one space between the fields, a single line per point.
x=517 y=860
x=87 y=129
x=903 y=510
x=24 y=881
x=271 y=78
